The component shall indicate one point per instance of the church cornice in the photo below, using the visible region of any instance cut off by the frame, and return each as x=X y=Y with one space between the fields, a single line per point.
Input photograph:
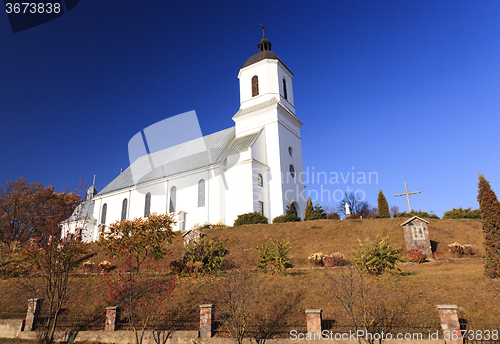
x=272 y=103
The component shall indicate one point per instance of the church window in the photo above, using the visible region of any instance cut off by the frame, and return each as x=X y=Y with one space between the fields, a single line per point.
x=147 y=205
x=255 y=86
x=201 y=193
x=103 y=214
x=290 y=151
x=284 y=89
x=260 y=180
x=124 y=209
x=261 y=207
x=292 y=171
x=172 y=199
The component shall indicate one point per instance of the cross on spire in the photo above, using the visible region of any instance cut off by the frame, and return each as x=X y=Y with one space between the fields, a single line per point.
x=263 y=30
x=408 y=195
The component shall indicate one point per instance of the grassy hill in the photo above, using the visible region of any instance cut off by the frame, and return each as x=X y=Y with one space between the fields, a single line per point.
x=452 y=281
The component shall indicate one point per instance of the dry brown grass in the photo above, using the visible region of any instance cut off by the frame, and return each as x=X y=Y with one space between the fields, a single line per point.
x=456 y=281
x=330 y=236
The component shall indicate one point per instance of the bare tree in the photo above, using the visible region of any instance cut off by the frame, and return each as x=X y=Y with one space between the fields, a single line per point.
x=371 y=304
x=234 y=298
x=394 y=210
x=357 y=206
x=49 y=262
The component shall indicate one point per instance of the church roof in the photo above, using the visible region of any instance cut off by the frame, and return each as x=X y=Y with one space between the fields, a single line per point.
x=83 y=211
x=204 y=151
x=265 y=52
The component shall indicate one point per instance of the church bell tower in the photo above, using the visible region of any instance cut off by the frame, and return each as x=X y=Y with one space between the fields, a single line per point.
x=267 y=104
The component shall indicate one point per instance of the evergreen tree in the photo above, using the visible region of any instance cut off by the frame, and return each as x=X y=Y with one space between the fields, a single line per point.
x=383 y=207
x=318 y=213
x=291 y=214
x=490 y=218
x=309 y=209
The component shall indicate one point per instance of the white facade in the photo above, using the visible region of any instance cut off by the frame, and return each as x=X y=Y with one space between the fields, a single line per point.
x=254 y=166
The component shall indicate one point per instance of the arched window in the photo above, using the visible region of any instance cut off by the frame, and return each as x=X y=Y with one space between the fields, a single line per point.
x=201 y=193
x=290 y=151
x=103 y=214
x=124 y=209
x=172 y=199
x=260 y=180
x=284 y=89
x=292 y=171
x=255 y=86
x=147 y=205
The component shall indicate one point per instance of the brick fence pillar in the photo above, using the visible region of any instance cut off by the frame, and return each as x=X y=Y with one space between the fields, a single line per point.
x=33 y=314
x=449 y=323
x=112 y=318
x=206 y=319
x=314 y=321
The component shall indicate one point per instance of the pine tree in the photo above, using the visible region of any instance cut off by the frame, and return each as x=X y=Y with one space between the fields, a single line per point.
x=383 y=207
x=309 y=209
x=291 y=214
x=318 y=213
x=490 y=218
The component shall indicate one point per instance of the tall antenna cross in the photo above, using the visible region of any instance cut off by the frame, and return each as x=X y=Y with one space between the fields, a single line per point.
x=408 y=195
x=263 y=29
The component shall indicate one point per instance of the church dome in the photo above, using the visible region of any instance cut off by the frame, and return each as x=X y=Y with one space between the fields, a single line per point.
x=264 y=53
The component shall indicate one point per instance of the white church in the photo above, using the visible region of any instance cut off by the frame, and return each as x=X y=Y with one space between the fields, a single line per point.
x=255 y=166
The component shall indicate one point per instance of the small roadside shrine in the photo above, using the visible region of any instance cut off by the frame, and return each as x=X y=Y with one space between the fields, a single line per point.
x=417 y=235
x=192 y=235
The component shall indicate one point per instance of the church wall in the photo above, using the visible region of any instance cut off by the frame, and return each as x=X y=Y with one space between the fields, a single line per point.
x=138 y=198
x=267 y=71
x=255 y=121
x=274 y=175
x=187 y=197
x=288 y=102
x=214 y=196
x=293 y=187
x=239 y=194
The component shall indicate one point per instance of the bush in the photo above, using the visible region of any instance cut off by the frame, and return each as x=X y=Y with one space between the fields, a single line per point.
x=462 y=213
x=279 y=219
x=438 y=255
x=205 y=255
x=273 y=256
x=415 y=256
x=317 y=258
x=377 y=256
x=333 y=216
x=250 y=219
x=422 y=214
x=335 y=259
x=459 y=250
x=286 y=218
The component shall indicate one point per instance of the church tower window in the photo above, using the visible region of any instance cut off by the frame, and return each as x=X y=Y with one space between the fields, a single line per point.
x=124 y=209
x=172 y=199
x=261 y=208
x=292 y=171
x=103 y=214
x=260 y=180
x=284 y=89
x=255 y=86
x=147 y=205
x=201 y=193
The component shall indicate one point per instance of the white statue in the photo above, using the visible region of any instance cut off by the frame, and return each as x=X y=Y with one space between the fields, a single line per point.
x=347 y=211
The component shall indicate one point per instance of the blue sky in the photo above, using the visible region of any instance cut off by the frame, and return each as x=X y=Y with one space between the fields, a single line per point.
x=409 y=90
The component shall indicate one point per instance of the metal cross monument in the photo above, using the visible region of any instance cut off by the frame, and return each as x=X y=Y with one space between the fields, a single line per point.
x=408 y=195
